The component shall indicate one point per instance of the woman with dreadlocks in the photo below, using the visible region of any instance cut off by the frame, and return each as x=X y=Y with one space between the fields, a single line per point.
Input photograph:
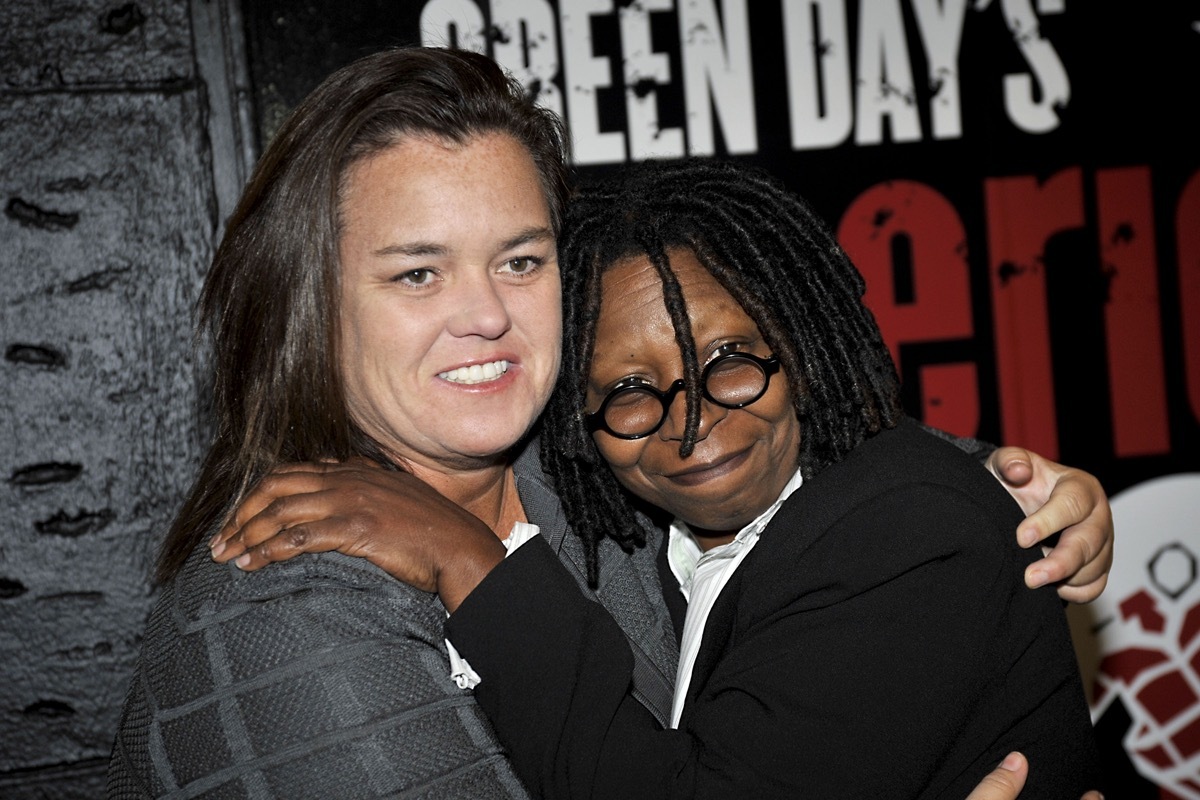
x=856 y=624
x=853 y=604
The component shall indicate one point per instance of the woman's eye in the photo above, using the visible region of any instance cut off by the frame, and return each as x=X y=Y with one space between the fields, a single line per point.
x=726 y=349
x=416 y=277
x=631 y=382
x=523 y=265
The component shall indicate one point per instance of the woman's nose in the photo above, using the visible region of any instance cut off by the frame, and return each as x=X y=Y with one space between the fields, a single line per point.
x=676 y=422
x=483 y=310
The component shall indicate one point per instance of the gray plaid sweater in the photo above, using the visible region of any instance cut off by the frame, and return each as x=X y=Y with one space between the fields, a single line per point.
x=325 y=677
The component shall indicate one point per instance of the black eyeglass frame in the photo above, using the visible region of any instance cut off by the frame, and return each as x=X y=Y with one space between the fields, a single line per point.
x=595 y=420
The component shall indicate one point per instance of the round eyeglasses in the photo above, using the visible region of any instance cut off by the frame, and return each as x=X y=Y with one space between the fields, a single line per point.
x=633 y=410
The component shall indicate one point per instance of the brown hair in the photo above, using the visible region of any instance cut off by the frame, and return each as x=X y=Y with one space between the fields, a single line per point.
x=269 y=304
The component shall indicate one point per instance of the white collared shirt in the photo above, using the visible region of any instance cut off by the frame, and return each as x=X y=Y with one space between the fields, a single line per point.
x=702 y=575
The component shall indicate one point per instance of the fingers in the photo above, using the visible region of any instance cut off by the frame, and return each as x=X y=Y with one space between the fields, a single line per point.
x=1065 y=501
x=1082 y=558
x=1071 y=504
x=1073 y=499
x=1083 y=594
x=273 y=496
x=1081 y=584
x=1005 y=781
x=284 y=512
x=391 y=518
x=316 y=537
x=1012 y=465
x=274 y=503
x=288 y=480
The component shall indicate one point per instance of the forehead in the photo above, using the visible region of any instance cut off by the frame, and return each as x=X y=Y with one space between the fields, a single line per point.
x=633 y=287
x=427 y=185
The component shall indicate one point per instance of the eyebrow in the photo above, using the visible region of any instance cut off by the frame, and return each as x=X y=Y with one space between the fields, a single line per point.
x=411 y=249
x=526 y=236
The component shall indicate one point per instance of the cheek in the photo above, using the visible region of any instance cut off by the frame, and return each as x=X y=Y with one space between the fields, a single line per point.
x=775 y=408
x=624 y=459
x=537 y=318
x=356 y=334
x=620 y=454
x=782 y=418
x=349 y=354
x=544 y=317
x=548 y=336
x=628 y=462
x=354 y=370
x=378 y=349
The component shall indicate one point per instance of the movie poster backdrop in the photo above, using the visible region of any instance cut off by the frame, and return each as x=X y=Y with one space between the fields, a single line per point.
x=1019 y=182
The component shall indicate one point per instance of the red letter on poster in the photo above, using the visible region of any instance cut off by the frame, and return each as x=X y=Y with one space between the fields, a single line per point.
x=1022 y=216
x=909 y=244
x=1132 y=319
x=1187 y=232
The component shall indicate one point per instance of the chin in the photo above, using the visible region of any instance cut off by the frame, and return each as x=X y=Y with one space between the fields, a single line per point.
x=491 y=443
x=719 y=519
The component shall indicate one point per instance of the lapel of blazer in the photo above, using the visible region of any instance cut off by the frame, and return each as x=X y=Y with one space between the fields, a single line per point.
x=629 y=586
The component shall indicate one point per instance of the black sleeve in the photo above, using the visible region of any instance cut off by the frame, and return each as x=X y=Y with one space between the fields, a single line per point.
x=555 y=672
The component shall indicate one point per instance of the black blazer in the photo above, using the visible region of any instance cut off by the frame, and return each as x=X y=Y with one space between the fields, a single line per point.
x=878 y=642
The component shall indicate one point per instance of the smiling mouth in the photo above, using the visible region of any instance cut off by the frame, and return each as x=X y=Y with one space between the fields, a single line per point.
x=476 y=373
x=702 y=474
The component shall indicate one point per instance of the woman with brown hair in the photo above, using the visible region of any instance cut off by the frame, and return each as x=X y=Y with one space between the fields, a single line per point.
x=388 y=290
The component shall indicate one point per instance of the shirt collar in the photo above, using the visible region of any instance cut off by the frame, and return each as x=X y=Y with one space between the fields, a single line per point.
x=683 y=551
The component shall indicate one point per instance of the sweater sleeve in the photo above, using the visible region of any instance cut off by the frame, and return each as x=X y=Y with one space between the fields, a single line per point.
x=317 y=677
x=976 y=448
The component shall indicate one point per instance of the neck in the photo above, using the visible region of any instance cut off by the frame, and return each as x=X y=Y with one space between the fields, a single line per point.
x=489 y=492
x=710 y=539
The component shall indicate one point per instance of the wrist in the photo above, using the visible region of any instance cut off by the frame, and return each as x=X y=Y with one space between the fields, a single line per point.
x=467 y=570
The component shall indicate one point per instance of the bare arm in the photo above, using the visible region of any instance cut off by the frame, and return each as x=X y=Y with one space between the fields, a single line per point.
x=353 y=508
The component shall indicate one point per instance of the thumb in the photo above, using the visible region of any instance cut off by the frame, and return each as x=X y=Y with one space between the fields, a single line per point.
x=1005 y=781
x=1012 y=465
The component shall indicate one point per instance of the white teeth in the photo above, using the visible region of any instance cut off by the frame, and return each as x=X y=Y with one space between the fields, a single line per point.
x=476 y=373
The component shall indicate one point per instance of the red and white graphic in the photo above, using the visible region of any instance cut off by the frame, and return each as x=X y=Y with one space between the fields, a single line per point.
x=1139 y=645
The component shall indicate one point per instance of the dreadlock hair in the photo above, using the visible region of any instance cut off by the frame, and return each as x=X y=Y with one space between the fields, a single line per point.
x=771 y=252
